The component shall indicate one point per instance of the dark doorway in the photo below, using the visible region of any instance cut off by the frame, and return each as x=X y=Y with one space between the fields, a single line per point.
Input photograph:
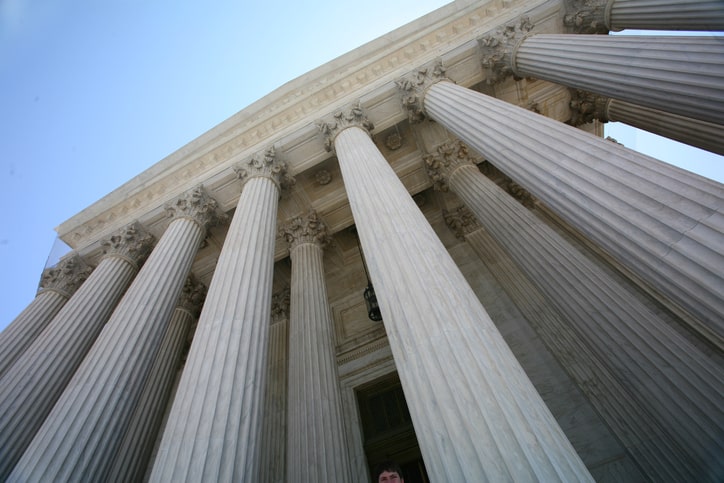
x=387 y=428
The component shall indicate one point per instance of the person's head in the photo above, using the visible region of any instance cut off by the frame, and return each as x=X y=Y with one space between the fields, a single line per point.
x=388 y=472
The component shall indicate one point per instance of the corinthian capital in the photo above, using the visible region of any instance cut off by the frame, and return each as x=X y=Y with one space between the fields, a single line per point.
x=585 y=107
x=266 y=164
x=280 y=305
x=413 y=86
x=498 y=50
x=66 y=276
x=198 y=206
x=192 y=296
x=353 y=117
x=446 y=158
x=461 y=221
x=587 y=16
x=131 y=242
x=307 y=229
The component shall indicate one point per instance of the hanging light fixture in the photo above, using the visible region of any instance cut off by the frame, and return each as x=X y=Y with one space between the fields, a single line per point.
x=373 y=309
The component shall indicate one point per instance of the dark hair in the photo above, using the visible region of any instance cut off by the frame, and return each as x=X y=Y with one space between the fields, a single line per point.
x=388 y=465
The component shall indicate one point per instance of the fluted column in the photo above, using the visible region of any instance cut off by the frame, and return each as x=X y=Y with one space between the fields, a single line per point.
x=57 y=284
x=600 y=16
x=32 y=386
x=585 y=107
x=663 y=223
x=272 y=467
x=681 y=75
x=213 y=429
x=681 y=386
x=131 y=459
x=86 y=426
x=477 y=417
x=316 y=449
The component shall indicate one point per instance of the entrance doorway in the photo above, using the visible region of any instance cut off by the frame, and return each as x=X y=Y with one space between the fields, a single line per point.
x=387 y=428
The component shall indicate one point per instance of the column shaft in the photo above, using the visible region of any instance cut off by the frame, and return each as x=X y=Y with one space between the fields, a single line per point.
x=34 y=384
x=682 y=75
x=664 y=223
x=681 y=386
x=213 y=429
x=707 y=15
x=316 y=449
x=82 y=432
x=693 y=132
x=477 y=417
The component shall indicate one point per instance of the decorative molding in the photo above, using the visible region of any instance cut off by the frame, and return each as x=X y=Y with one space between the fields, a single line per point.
x=393 y=141
x=354 y=117
x=266 y=164
x=461 y=221
x=132 y=243
x=192 y=297
x=413 y=87
x=197 y=206
x=308 y=229
x=280 y=305
x=585 y=107
x=323 y=177
x=587 y=16
x=66 y=276
x=497 y=51
x=444 y=161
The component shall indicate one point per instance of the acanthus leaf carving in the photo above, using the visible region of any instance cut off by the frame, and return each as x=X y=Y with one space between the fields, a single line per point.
x=193 y=294
x=66 y=276
x=587 y=16
x=413 y=86
x=280 y=305
x=461 y=221
x=585 y=107
x=306 y=229
x=198 y=206
x=497 y=51
x=131 y=242
x=341 y=120
x=445 y=159
x=266 y=164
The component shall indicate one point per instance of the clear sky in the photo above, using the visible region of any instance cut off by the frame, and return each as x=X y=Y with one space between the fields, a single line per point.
x=94 y=92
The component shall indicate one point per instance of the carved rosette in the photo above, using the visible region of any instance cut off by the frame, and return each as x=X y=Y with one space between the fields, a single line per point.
x=66 y=276
x=266 y=164
x=280 y=305
x=413 y=86
x=131 y=242
x=585 y=107
x=197 y=206
x=447 y=158
x=354 y=117
x=308 y=229
x=587 y=16
x=323 y=177
x=497 y=51
x=192 y=296
x=461 y=221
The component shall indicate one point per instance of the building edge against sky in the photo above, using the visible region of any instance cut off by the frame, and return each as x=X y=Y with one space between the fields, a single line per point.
x=541 y=320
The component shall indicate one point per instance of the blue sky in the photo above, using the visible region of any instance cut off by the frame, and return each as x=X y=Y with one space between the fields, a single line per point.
x=93 y=93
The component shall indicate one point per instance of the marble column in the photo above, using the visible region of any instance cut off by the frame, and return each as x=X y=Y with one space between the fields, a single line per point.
x=585 y=107
x=677 y=74
x=213 y=429
x=477 y=417
x=132 y=457
x=78 y=439
x=57 y=284
x=675 y=381
x=34 y=384
x=600 y=16
x=272 y=467
x=662 y=222
x=316 y=449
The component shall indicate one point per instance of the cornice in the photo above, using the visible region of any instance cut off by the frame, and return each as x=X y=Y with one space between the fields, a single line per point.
x=290 y=108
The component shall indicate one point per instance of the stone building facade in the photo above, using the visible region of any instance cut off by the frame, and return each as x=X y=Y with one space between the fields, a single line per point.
x=552 y=303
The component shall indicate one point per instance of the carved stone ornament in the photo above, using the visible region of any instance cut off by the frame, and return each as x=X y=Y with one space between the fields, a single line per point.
x=461 y=221
x=393 y=141
x=66 y=276
x=323 y=177
x=308 y=229
x=198 y=206
x=447 y=157
x=266 y=164
x=587 y=16
x=342 y=120
x=585 y=107
x=280 y=305
x=192 y=296
x=131 y=242
x=497 y=51
x=413 y=86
